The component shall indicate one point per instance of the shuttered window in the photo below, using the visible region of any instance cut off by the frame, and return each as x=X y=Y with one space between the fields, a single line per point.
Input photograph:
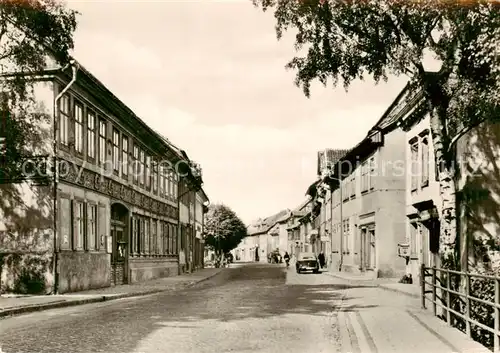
x=91 y=226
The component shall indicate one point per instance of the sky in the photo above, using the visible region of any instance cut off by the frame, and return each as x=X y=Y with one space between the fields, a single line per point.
x=211 y=77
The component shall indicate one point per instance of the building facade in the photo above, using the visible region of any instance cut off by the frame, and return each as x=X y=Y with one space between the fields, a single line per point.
x=365 y=191
x=116 y=213
x=476 y=191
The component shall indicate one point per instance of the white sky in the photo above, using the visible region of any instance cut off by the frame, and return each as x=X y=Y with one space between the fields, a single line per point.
x=210 y=76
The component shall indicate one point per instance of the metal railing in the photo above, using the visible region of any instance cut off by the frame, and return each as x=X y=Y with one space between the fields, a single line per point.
x=452 y=292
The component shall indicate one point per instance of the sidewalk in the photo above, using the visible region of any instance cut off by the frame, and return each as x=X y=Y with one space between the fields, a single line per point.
x=12 y=304
x=390 y=284
x=395 y=316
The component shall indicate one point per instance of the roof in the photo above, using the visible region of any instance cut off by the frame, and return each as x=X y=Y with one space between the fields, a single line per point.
x=328 y=158
x=403 y=105
x=264 y=225
x=302 y=205
x=112 y=104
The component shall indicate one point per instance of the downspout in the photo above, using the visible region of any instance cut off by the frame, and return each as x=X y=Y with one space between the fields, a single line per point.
x=341 y=226
x=55 y=121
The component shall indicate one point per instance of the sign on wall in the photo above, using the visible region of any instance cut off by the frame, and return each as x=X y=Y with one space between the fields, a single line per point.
x=403 y=250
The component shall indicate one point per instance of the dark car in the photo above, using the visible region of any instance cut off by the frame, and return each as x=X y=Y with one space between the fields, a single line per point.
x=307 y=262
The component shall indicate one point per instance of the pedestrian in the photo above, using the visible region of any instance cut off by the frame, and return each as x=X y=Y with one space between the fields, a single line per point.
x=321 y=259
x=287 y=258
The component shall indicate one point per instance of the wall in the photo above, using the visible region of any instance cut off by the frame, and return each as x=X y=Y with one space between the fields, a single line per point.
x=82 y=269
x=429 y=193
x=479 y=184
x=263 y=239
x=390 y=218
x=382 y=206
x=26 y=210
x=283 y=238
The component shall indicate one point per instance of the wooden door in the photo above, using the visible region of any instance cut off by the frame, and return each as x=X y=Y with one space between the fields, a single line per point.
x=119 y=254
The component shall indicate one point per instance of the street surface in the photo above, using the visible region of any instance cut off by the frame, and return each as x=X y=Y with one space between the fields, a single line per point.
x=251 y=308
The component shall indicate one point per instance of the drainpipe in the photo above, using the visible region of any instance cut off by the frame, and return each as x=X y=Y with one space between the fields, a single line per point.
x=341 y=226
x=74 y=65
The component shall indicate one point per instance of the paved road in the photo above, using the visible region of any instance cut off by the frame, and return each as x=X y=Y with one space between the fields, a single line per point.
x=254 y=308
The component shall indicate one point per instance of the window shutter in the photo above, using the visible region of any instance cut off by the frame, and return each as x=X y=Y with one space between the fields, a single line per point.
x=74 y=220
x=101 y=228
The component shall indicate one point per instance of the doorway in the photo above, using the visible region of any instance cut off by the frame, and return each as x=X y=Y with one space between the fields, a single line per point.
x=368 y=250
x=119 y=238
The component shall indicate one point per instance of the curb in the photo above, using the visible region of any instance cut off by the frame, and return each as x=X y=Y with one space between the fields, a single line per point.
x=68 y=303
x=417 y=296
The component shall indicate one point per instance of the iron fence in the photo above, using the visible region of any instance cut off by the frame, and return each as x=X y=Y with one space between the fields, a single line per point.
x=467 y=301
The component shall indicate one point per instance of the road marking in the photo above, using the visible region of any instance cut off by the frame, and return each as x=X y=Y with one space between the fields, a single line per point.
x=358 y=341
x=369 y=338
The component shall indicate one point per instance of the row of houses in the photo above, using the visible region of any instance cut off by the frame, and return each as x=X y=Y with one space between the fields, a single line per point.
x=375 y=209
x=126 y=205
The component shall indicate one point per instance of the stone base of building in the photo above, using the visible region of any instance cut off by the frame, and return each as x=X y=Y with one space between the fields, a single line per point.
x=151 y=268
x=79 y=271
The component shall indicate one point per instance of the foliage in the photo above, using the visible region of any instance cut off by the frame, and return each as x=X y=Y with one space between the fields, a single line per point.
x=350 y=40
x=33 y=34
x=32 y=30
x=223 y=229
x=483 y=289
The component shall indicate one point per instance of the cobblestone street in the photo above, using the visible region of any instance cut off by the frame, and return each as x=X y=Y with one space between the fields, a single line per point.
x=251 y=308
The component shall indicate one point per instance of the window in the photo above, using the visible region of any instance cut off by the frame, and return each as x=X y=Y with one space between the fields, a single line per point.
x=352 y=183
x=168 y=183
x=175 y=235
x=138 y=237
x=174 y=178
x=371 y=173
x=136 y=246
x=171 y=238
x=346 y=231
x=159 y=238
x=124 y=155
x=102 y=141
x=91 y=226
x=154 y=249
x=162 y=181
x=78 y=128
x=155 y=177
x=146 y=235
x=425 y=162
x=166 y=235
x=141 y=167
x=135 y=157
x=414 y=166
x=171 y=183
x=79 y=225
x=65 y=223
x=365 y=177
x=91 y=134
x=116 y=150
x=345 y=188
x=148 y=172
x=64 y=112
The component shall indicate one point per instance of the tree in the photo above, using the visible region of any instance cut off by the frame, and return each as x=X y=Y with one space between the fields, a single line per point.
x=223 y=229
x=353 y=39
x=34 y=35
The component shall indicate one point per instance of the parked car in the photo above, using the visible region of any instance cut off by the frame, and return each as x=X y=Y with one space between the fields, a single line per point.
x=307 y=261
